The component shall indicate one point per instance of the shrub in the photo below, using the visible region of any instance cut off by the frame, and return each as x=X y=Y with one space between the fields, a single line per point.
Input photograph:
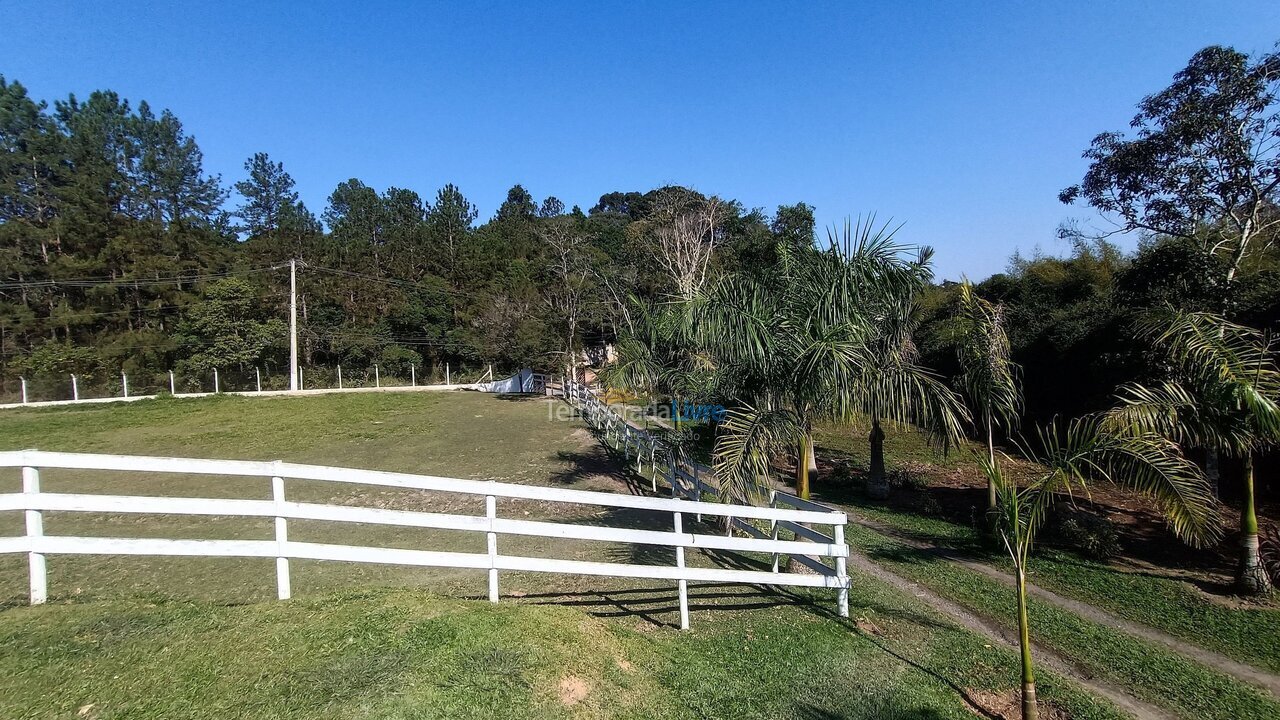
x=904 y=478
x=1270 y=551
x=1087 y=533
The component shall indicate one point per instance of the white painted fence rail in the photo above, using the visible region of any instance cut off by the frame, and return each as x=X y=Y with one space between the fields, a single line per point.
x=36 y=544
x=690 y=479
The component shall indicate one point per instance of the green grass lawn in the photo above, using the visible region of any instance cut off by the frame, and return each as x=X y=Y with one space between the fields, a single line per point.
x=196 y=638
x=463 y=434
x=408 y=654
x=1150 y=672
x=1248 y=633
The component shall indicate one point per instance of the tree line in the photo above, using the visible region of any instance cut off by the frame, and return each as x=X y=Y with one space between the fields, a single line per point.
x=121 y=253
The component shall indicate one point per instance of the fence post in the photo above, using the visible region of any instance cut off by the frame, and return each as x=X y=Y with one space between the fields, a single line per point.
x=377 y=377
x=842 y=573
x=284 y=589
x=491 y=511
x=413 y=376
x=75 y=388
x=684 y=584
x=773 y=525
x=653 y=467
x=697 y=487
x=257 y=376
x=216 y=387
x=339 y=377
x=173 y=389
x=447 y=381
x=24 y=390
x=124 y=384
x=35 y=529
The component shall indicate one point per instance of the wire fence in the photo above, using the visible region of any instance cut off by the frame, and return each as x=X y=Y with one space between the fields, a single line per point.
x=97 y=385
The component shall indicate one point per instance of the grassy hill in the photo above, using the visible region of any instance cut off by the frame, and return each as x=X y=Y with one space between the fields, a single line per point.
x=202 y=638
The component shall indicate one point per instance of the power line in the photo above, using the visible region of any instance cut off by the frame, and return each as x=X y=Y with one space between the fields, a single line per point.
x=131 y=282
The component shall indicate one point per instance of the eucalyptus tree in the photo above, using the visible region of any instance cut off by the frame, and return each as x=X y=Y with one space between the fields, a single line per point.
x=1205 y=162
x=1223 y=395
x=817 y=340
x=988 y=374
x=1091 y=449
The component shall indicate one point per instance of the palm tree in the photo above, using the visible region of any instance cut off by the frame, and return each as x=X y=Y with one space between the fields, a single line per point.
x=1090 y=448
x=988 y=375
x=814 y=342
x=656 y=357
x=899 y=389
x=1223 y=395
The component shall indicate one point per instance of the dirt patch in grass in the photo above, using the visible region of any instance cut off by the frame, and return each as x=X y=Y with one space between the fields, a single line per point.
x=573 y=690
x=1007 y=705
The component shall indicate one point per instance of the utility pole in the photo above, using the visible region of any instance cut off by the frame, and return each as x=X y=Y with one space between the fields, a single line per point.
x=293 y=324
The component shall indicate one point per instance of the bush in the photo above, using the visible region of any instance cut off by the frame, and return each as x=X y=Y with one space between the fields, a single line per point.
x=1089 y=534
x=904 y=478
x=1270 y=552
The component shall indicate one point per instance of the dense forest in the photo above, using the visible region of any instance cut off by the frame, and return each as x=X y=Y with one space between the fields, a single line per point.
x=120 y=253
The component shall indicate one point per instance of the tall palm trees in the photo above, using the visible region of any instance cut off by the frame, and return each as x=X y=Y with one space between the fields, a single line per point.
x=988 y=374
x=824 y=338
x=1092 y=448
x=1223 y=395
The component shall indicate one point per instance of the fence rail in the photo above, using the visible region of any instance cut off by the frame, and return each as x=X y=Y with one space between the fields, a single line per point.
x=524 y=381
x=36 y=544
x=689 y=479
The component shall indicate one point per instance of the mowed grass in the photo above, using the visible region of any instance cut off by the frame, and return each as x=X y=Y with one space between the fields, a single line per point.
x=203 y=638
x=1249 y=633
x=465 y=435
x=1151 y=672
x=409 y=654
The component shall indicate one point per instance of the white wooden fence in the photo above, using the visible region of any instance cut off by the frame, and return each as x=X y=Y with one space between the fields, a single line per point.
x=36 y=544
x=692 y=480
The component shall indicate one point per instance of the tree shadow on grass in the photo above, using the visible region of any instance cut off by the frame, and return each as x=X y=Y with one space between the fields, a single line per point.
x=519 y=397
x=882 y=707
x=652 y=605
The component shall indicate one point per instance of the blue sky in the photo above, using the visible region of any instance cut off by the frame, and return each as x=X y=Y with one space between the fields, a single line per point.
x=962 y=120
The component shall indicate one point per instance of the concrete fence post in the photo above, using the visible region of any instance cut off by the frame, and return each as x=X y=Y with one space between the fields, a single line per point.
x=377 y=377
x=842 y=573
x=24 y=390
x=413 y=376
x=257 y=377
x=216 y=387
x=75 y=388
x=173 y=388
x=773 y=526
x=124 y=384
x=35 y=529
x=491 y=511
x=339 y=377
x=684 y=584
x=447 y=381
x=284 y=589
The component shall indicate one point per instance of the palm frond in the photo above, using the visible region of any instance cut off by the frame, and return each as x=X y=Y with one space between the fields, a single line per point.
x=1088 y=449
x=987 y=371
x=750 y=438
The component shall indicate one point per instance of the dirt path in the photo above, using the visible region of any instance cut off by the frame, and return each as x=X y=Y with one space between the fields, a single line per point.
x=1228 y=666
x=1047 y=658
